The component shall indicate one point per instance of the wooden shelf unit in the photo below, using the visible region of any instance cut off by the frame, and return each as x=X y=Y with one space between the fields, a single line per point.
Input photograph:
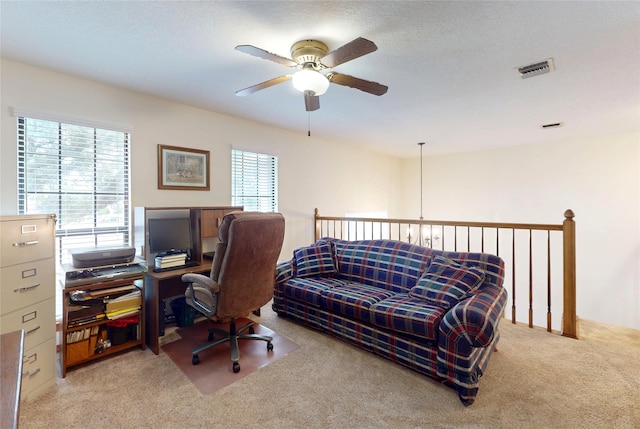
x=83 y=351
x=204 y=227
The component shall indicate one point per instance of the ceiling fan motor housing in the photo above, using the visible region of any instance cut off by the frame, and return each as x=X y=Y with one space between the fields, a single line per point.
x=306 y=52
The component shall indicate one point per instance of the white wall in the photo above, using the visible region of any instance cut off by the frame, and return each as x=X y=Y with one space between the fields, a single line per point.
x=313 y=173
x=599 y=179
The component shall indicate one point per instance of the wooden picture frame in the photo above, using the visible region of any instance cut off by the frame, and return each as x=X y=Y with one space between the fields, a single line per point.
x=183 y=168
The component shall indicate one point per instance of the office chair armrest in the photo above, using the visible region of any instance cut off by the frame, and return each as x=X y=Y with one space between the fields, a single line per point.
x=201 y=293
x=201 y=280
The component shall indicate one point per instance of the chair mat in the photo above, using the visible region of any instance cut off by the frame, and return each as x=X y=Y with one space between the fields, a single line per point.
x=215 y=369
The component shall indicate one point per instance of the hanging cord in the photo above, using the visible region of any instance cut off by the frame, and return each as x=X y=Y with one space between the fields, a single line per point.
x=421 y=144
x=309 y=124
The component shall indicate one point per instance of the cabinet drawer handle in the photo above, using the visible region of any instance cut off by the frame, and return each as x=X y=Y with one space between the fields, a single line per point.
x=26 y=288
x=31 y=374
x=29 y=316
x=31 y=331
x=30 y=359
x=26 y=243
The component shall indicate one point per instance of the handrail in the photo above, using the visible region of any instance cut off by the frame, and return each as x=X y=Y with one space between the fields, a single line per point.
x=432 y=231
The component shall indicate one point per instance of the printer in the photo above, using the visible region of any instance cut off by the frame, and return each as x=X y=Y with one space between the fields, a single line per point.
x=100 y=256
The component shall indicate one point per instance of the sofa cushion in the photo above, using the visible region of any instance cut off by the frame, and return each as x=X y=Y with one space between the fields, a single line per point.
x=387 y=264
x=315 y=260
x=353 y=300
x=307 y=289
x=447 y=282
x=413 y=316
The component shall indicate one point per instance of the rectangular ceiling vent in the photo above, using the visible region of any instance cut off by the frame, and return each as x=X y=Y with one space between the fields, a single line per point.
x=536 y=69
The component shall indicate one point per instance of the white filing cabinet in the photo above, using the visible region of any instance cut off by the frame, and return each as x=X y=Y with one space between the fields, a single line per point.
x=27 y=294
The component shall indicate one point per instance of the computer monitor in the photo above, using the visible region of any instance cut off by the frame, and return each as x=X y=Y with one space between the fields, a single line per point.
x=169 y=235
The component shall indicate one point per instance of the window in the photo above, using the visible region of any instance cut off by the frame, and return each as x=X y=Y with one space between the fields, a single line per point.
x=254 y=181
x=79 y=173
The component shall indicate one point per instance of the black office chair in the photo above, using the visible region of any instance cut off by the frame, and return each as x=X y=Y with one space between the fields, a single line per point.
x=241 y=280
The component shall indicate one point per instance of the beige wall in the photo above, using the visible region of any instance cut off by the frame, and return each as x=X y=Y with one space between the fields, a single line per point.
x=598 y=179
x=313 y=173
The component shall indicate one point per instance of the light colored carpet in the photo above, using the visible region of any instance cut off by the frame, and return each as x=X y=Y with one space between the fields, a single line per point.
x=536 y=380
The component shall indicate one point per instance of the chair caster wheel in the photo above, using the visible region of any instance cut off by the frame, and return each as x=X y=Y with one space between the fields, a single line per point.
x=251 y=331
x=195 y=360
x=210 y=337
x=270 y=346
x=236 y=367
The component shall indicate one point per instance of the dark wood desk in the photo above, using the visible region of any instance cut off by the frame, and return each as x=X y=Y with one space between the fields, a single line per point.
x=159 y=286
x=11 y=350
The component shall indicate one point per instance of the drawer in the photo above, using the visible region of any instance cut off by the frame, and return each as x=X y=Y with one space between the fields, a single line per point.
x=26 y=240
x=38 y=367
x=38 y=322
x=25 y=284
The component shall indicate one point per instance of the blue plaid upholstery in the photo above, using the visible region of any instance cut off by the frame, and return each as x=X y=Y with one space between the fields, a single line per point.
x=315 y=260
x=368 y=303
x=308 y=289
x=446 y=282
x=353 y=300
x=386 y=264
x=402 y=313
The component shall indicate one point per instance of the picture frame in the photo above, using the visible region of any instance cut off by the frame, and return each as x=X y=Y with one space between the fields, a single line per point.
x=183 y=168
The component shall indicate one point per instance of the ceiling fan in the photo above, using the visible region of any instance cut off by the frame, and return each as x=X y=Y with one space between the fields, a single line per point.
x=311 y=57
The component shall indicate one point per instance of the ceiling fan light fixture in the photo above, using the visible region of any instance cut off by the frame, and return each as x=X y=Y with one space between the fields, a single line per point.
x=310 y=81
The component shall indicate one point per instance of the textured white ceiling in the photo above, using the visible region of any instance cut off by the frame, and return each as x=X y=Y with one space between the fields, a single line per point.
x=450 y=66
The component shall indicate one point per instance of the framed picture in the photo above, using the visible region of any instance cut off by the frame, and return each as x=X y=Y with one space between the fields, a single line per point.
x=182 y=168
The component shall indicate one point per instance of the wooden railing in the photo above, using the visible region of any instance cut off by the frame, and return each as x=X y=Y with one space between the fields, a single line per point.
x=543 y=254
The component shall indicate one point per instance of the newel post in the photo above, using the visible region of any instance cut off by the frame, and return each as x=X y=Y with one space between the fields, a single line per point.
x=569 y=318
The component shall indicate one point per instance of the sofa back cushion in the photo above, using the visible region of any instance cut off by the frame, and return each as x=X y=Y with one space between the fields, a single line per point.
x=388 y=264
x=492 y=265
x=315 y=260
x=447 y=282
x=397 y=266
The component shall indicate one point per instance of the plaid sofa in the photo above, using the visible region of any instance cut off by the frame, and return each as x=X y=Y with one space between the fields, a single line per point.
x=434 y=311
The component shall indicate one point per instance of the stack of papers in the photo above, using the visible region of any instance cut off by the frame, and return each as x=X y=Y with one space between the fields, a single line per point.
x=124 y=305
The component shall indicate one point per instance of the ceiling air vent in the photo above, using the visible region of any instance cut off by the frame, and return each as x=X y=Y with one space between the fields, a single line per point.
x=536 y=69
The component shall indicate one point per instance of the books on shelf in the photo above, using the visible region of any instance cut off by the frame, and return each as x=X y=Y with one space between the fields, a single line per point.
x=172 y=260
x=82 y=334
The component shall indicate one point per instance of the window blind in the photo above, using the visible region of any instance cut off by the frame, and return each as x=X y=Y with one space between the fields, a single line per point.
x=79 y=173
x=254 y=181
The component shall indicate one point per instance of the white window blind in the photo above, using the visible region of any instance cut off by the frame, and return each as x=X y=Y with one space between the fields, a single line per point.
x=254 y=181
x=79 y=173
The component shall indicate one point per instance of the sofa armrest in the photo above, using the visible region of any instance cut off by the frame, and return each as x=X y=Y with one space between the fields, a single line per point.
x=474 y=321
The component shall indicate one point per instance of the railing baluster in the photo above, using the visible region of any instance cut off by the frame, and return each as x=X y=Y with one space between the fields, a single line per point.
x=548 y=281
x=455 y=239
x=530 y=281
x=513 y=276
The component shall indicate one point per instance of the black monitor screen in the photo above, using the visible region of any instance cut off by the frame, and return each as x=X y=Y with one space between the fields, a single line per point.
x=169 y=235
